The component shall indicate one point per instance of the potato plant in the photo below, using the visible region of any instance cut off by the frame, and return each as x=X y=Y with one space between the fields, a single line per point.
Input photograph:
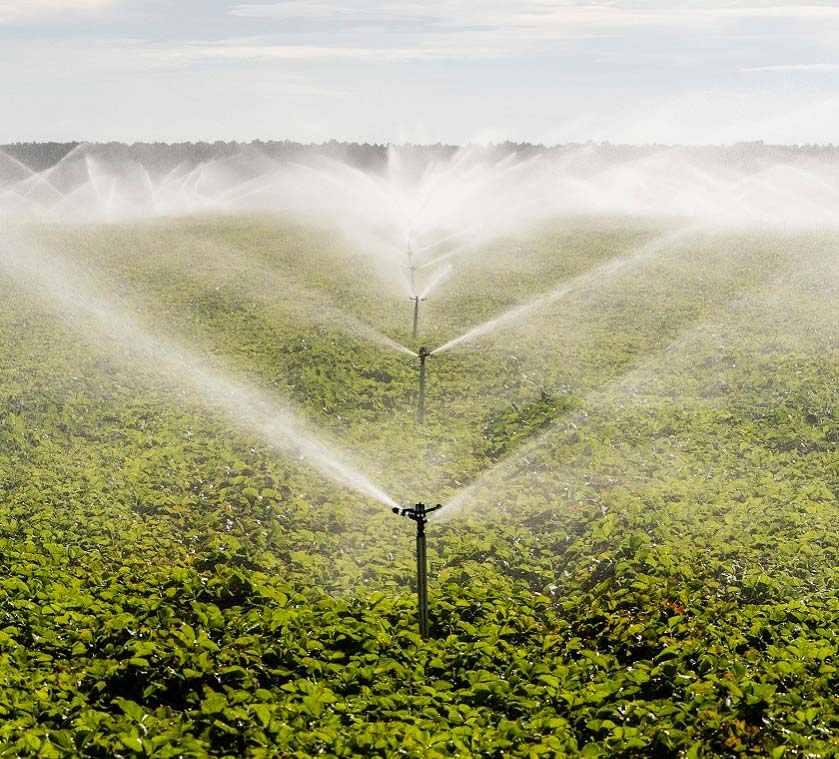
x=638 y=560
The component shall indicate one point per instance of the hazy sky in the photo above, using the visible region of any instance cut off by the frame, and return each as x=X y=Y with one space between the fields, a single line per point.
x=420 y=70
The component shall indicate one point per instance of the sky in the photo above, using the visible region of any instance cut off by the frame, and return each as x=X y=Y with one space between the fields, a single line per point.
x=423 y=71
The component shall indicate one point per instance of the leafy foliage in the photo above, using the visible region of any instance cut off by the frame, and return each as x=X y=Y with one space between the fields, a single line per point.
x=643 y=566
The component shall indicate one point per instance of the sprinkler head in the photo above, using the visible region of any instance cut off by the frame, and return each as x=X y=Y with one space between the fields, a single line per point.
x=417 y=513
x=424 y=352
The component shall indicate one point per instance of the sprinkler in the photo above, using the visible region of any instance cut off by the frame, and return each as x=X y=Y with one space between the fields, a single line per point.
x=418 y=514
x=417 y=300
x=423 y=354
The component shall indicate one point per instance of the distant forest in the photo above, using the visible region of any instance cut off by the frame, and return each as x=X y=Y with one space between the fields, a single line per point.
x=39 y=156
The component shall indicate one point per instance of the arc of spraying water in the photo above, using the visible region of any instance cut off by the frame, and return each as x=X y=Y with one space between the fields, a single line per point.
x=598 y=273
x=503 y=469
x=243 y=404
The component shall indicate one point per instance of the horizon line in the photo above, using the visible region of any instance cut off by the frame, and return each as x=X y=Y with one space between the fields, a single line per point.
x=407 y=144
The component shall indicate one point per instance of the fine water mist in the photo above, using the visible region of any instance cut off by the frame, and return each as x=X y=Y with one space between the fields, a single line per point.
x=418 y=209
x=797 y=301
x=584 y=281
x=246 y=406
x=415 y=215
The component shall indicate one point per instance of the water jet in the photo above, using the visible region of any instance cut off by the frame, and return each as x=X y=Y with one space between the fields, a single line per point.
x=242 y=402
x=418 y=514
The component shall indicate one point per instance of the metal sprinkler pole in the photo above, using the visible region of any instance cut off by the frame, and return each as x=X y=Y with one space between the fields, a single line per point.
x=423 y=354
x=417 y=300
x=422 y=573
x=418 y=514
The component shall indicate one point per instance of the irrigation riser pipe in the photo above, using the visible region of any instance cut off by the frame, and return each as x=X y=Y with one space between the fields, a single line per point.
x=416 y=299
x=423 y=354
x=418 y=514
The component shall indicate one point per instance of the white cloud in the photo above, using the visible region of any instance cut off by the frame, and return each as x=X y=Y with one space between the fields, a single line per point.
x=15 y=11
x=535 y=13
x=795 y=68
x=285 y=52
x=437 y=29
x=292 y=9
x=375 y=69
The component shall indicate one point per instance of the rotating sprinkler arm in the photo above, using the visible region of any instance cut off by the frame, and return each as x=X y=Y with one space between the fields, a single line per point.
x=418 y=513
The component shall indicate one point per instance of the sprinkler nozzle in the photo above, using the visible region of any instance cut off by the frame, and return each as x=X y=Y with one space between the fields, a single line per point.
x=417 y=513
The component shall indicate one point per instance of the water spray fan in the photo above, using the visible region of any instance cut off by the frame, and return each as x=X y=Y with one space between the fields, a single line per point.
x=418 y=514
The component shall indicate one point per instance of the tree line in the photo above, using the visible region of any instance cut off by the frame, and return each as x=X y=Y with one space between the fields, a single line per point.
x=39 y=156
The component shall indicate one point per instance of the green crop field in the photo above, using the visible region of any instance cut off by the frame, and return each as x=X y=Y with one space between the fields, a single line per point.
x=638 y=554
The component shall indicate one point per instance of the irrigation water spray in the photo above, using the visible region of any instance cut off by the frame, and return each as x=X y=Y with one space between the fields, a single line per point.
x=242 y=403
x=481 y=198
x=584 y=281
x=472 y=195
x=663 y=363
x=419 y=515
